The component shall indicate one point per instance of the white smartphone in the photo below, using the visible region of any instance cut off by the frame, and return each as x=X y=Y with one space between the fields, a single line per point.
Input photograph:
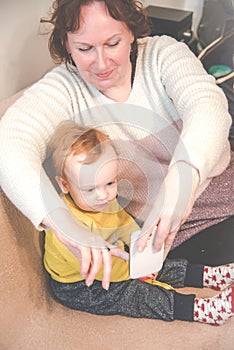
x=147 y=262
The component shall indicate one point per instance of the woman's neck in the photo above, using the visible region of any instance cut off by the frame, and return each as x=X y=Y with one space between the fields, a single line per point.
x=121 y=92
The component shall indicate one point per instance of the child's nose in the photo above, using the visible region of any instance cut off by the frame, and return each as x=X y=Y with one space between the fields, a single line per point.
x=102 y=193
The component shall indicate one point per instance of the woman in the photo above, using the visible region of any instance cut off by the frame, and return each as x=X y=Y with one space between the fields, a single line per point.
x=152 y=96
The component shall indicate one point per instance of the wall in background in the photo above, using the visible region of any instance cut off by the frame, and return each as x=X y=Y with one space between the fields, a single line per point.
x=191 y=5
x=24 y=55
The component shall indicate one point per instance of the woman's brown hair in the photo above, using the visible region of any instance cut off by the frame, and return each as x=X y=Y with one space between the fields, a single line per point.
x=65 y=17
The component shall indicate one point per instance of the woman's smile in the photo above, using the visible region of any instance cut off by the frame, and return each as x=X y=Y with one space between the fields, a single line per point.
x=104 y=75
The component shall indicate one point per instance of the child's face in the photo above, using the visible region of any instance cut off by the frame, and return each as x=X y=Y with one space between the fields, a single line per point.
x=91 y=186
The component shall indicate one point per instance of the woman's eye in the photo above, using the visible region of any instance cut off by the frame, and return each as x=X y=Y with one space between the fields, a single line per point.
x=114 y=43
x=84 y=49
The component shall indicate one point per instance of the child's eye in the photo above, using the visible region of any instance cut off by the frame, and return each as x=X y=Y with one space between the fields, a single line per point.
x=111 y=183
x=89 y=190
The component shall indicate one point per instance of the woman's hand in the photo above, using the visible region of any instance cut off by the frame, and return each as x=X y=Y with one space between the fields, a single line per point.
x=172 y=207
x=89 y=248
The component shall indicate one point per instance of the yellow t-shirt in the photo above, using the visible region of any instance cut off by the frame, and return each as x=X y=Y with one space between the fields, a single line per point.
x=114 y=224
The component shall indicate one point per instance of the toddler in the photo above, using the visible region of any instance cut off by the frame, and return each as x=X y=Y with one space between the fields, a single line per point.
x=86 y=166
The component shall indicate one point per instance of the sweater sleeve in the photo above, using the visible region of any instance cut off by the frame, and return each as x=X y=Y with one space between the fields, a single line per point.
x=25 y=130
x=200 y=103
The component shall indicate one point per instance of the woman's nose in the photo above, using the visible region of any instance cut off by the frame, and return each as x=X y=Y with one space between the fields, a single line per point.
x=101 y=59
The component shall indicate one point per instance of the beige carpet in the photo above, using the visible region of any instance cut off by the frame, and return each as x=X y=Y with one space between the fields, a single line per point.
x=31 y=320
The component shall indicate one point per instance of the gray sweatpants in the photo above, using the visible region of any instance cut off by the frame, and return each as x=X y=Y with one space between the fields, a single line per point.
x=133 y=298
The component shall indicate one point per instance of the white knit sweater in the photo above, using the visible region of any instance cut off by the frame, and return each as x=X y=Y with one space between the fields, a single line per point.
x=171 y=95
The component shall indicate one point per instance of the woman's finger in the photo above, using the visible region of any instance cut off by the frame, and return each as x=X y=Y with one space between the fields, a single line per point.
x=161 y=233
x=107 y=266
x=94 y=265
x=145 y=235
x=85 y=260
x=169 y=240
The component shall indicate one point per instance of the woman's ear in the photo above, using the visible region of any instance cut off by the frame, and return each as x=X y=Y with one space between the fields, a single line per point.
x=132 y=37
x=67 y=45
x=62 y=184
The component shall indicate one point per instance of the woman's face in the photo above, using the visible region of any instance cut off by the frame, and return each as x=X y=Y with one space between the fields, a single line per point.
x=101 y=48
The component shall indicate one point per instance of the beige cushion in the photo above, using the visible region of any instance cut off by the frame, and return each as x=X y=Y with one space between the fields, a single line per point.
x=31 y=320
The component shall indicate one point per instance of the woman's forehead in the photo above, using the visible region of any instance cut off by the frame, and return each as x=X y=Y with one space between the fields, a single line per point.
x=95 y=20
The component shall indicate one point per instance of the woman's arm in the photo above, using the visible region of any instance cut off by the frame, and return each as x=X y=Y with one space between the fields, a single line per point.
x=25 y=130
x=201 y=105
x=203 y=109
x=172 y=206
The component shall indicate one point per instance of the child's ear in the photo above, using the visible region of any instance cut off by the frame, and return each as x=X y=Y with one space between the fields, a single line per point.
x=62 y=184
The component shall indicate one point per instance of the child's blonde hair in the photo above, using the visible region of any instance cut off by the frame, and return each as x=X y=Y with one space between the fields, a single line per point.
x=71 y=138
